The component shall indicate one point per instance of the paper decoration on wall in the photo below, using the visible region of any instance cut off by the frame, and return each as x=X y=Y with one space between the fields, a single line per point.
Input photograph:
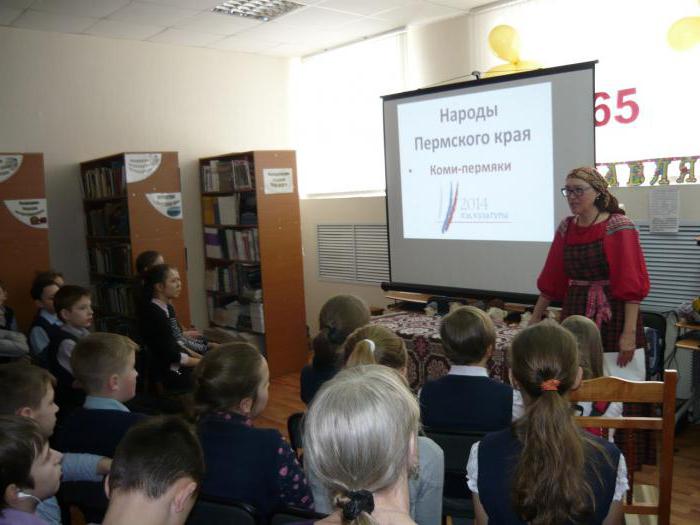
x=31 y=212
x=9 y=164
x=504 y=41
x=140 y=166
x=651 y=172
x=168 y=204
x=278 y=180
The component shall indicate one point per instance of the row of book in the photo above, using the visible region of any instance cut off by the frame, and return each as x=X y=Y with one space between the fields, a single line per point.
x=239 y=245
x=227 y=175
x=104 y=181
x=114 y=299
x=114 y=259
x=242 y=280
x=112 y=219
x=221 y=210
x=248 y=316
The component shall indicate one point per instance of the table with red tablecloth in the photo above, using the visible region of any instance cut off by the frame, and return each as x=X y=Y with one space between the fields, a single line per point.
x=426 y=357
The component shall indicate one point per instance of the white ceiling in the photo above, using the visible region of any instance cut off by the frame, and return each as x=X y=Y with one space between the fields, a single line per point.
x=319 y=25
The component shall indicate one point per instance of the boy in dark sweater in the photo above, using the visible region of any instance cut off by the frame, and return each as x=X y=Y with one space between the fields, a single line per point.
x=46 y=324
x=466 y=398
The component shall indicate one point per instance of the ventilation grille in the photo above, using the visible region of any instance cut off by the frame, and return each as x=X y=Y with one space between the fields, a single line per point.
x=353 y=252
x=673 y=261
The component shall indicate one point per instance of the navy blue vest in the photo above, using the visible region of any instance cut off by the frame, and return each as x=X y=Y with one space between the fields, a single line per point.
x=498 y=456
x=9 y=317
x=312 y=379
x=67 y=397
x=240 y=462
x=470 y=403
x=95 y=431
x=52 y=331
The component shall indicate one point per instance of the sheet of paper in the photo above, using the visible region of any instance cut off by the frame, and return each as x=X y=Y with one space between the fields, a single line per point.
x=278 y=180
x=664 y=210
x=634 y=371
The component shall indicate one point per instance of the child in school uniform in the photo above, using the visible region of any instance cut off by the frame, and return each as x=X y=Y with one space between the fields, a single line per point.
x=28 y=391
x=13 y=343
x=590 y=351
x=545 y=469
x=253 y=465
x=103 y=364
x=74 y=308
x=339 y=316
x=46 y=324
x=30 y=473
x=466 y=398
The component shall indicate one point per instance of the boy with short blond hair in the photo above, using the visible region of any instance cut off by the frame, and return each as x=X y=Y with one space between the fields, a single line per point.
x=28 y=391
x=103 y=364
x=467 y=398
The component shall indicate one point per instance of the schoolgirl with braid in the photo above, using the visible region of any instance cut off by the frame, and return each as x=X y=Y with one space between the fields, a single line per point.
x=339 y=316
x=545 y=470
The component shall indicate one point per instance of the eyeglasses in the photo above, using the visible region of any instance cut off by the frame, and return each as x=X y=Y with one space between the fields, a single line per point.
x=578 y=192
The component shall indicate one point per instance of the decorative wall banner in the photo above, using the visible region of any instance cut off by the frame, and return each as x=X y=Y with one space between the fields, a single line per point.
x=9 y=164
x=651 y=172
x=140 y=166
x=31 y=212
x=168 y=204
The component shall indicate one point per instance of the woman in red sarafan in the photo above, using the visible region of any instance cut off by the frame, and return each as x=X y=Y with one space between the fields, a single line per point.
x=596 y=266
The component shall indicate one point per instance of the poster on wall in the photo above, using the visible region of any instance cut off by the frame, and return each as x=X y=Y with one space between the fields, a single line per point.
x=647 y=99
x=32 y=212
x=9 y=165
x=140 y=166
x=167 y=204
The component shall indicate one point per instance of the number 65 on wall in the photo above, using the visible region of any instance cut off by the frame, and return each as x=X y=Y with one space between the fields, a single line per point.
x=624 y=100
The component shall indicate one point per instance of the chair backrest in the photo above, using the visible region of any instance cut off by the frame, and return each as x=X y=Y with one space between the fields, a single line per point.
x=456 y=446
x=294 y=515
x=649 y=392
x=210 y=511
x=295 y=429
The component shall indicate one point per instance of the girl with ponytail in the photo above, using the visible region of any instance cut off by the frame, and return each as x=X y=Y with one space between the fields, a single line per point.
x=545 y=470
x=339 y=316
x=596 y=266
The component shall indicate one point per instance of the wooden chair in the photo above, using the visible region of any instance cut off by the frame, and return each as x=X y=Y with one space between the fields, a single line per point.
x=653 y=392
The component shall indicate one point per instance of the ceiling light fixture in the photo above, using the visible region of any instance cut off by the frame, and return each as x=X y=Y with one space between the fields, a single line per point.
x=264 y=10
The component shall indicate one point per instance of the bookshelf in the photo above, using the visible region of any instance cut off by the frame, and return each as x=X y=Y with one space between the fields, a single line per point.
x=132 y=203
x=24 y=233
x=252 y=241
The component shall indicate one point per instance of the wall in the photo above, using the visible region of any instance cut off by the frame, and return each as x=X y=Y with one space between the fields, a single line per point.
x=76 y=98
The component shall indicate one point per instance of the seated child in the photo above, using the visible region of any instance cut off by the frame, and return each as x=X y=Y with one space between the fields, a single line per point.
x=466 y=398
x=171 y=352
x=46 y=324
x=103 y=363
x=30 y=473
x=339 y=316
x=13 y=343
x=243 y=463
x=590 y=352
x=28 y=391
x=74 y=309
x=156 y=474
x=544 y=470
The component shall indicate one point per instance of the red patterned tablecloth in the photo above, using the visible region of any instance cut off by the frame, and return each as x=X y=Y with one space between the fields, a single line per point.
x=426 y=358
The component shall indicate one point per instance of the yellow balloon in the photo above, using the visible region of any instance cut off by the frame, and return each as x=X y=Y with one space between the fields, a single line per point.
x=684 y=33
x=505 y=43
x=507 y=69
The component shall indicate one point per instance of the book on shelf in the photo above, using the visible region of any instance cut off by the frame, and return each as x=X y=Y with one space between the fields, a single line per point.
x=112 y=259
x=221 y=210
x=104 y=181
x=112 y=219
x=239 y=279
x=227 y=176
x=112 y=299
x=241 y=245
x=236 y=315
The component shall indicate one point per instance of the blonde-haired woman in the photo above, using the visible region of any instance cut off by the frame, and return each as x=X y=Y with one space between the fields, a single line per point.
x=360 y=438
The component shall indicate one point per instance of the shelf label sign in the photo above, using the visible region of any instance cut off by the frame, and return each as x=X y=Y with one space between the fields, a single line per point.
x=9 y=164
x=31 y=212
x=278 y=180
x=140 y=166
x=168 y=204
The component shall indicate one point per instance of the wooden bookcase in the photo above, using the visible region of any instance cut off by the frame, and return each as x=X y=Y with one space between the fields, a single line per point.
x=24 y=233
x=132 y=203
x=252 y=243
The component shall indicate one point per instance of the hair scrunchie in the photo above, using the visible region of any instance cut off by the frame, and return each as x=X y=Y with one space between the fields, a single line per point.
x=372 y=346
x=358 y=501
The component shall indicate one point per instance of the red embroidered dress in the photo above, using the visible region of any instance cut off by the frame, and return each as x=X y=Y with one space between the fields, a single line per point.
x=585 y=261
